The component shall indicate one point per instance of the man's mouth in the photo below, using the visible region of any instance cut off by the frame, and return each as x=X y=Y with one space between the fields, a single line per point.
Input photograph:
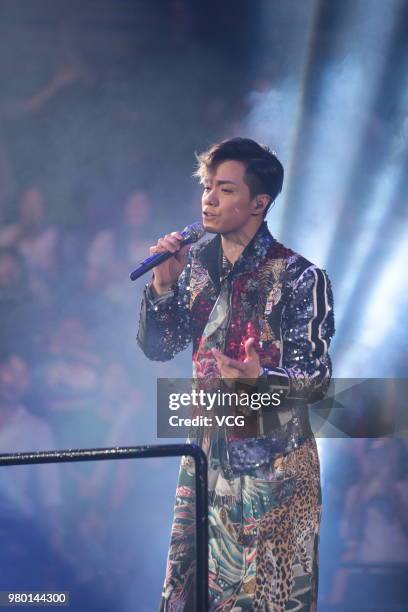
x=209 y=215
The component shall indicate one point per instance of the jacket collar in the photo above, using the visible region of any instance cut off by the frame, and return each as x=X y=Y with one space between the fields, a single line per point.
x=254 y=252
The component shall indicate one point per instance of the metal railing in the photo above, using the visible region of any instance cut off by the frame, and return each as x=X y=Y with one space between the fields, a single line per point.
x=143 y=452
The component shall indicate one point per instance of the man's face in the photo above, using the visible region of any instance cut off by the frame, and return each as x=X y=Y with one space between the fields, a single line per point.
x=226 y=202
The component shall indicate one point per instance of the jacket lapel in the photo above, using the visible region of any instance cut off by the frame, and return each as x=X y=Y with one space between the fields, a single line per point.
x=254 y=252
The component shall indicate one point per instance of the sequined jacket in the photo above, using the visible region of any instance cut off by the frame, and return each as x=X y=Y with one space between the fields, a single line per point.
x=278 y=297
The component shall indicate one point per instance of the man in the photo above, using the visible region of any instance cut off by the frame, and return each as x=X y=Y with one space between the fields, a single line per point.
x=257 y=311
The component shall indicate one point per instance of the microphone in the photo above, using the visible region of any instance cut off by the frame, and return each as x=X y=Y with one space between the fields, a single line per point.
x=191 y=233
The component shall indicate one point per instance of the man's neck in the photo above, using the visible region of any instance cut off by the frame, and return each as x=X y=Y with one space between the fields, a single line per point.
x=234 y=243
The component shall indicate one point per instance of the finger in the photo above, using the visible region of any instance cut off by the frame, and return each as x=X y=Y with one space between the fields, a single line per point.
x=157 y=248
x=227 y=361
x=164 y=244
x=167 y=243
x=173 y=239
x=177 y=235
x=239 y=366
x=230 y=373
x=220 y=356
x=250 y=351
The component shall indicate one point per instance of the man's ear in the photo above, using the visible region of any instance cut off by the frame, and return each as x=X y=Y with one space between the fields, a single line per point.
x=260 y=203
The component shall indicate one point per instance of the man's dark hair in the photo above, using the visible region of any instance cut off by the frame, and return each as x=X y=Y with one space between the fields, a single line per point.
x=264 y=172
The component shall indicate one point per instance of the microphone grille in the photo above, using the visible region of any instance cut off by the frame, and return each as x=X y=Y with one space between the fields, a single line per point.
x=193 y=232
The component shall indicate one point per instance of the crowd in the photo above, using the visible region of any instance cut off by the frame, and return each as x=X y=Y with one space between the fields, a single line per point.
x=71 y=376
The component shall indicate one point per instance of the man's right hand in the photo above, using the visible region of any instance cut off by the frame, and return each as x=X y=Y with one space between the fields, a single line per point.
x=167 y=273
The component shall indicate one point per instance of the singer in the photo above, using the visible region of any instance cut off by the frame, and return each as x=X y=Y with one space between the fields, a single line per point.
x=256 y=311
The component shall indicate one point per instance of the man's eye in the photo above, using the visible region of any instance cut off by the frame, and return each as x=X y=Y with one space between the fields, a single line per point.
x=207 y=188
x=227 y=190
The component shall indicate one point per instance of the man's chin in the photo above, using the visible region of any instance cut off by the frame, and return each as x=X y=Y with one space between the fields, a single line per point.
x=210 y=227
x=212 y=230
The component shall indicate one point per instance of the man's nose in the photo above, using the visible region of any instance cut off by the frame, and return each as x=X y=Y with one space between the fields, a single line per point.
x=210 y=199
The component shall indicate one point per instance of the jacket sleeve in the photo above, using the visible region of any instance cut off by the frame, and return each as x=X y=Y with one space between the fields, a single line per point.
x=164 y=323
x=307 y=326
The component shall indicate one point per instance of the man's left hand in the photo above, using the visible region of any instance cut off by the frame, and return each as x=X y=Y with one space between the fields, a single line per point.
x=250 y=368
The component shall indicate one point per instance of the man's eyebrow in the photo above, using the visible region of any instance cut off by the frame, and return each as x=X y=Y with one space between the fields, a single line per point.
x=221 y=182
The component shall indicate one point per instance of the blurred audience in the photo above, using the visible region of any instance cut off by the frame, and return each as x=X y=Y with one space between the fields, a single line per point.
x=18 y=305
x=378 y=503
x=36 y=240
x=67 y=373
x=30 y=496
x=137 y=214
x=373 y=526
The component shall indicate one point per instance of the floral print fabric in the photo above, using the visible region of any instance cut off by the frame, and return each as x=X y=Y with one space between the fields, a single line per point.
x=264 y=518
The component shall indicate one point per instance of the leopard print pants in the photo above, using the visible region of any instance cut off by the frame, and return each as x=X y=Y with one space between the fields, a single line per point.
x=263 y=537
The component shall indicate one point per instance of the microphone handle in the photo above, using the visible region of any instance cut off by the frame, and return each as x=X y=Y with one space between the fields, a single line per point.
x=154 y=260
